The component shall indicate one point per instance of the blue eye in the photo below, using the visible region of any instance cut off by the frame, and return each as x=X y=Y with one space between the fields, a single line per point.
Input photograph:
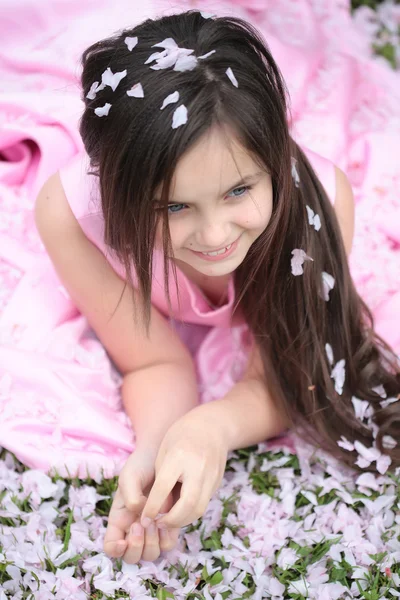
x=177 y=208
x=171 y=208
x=246 y=188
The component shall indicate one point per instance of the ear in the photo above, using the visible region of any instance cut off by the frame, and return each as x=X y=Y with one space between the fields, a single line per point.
x=344 y=208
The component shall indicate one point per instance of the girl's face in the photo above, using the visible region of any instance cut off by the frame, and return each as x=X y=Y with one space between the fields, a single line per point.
x=215 y=204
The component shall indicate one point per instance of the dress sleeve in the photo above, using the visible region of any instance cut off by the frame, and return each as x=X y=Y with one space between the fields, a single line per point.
x=325 y=169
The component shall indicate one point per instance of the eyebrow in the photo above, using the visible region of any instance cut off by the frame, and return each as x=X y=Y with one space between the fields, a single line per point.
x=246 y=179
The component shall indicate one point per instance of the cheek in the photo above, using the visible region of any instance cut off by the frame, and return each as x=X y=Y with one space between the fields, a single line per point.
x=257 y=214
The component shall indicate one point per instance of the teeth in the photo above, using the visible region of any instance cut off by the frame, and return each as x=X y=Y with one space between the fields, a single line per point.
x=218 y=252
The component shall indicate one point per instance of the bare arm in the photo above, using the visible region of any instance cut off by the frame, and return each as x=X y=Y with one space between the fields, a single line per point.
x=344 y=208
x=248 y=413
x=159 y=384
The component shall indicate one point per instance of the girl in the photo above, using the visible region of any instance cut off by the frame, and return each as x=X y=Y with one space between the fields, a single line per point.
x=190 y=174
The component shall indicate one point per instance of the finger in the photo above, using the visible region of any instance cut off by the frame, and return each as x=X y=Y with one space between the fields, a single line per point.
x=168 y=539
x=135 y=541
x=151 y=548
x=186 y=510
x=132 y=494
x=119 y=522
x=163 y=485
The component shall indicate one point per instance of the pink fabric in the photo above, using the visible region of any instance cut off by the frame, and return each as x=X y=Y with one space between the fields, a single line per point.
x=59 y=393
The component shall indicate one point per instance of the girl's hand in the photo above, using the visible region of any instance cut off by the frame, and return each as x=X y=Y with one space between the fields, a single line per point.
x=194 y=452
x=134 y=482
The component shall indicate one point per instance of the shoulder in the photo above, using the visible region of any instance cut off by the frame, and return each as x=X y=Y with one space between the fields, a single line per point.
x=52 y=212
x=344 y=207
x=81 y=187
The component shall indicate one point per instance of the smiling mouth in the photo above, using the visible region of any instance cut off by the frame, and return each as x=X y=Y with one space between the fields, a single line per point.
x=216 y=252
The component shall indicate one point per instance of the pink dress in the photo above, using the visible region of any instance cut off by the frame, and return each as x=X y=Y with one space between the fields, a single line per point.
x=77 y=423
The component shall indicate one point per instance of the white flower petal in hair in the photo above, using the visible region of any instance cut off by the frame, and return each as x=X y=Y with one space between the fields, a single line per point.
x=170 y=55
x=362 y=408
x=299 y=256
x=380 y=390
x=295 y=174
x=185 y=63
x=94 y=88
x=329 y=353
x=328 y=283
x=136 y=91
x=385 y=403
x=232 y=77
x=168 y=44
x=207 y=15
x=174 y=97
x=131 y=42
x=179 y=117
x=388 y=441
x=313 y=219
x=206 y=55
x=338 y=375
x=112 y=79
x=345 y=444
x=102 y=111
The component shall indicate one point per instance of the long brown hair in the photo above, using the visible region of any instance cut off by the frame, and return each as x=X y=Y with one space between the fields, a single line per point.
x=133 y=150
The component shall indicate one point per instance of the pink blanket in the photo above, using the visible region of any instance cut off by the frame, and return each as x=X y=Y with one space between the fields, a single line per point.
x=59 y=395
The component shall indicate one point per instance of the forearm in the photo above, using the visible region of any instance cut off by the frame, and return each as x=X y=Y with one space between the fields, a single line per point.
x=157 y=396
x=247 y=415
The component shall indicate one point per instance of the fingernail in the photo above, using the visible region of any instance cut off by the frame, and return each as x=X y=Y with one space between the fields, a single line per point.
x=146 y=522
x=137 y=529
x=120 y=547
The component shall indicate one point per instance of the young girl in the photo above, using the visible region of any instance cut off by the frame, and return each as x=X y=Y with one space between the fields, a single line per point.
x=191 y=177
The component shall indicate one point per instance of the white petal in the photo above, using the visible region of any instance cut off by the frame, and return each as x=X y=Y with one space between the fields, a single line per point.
x=102 y=111
x=345 y=444
x=231 y=76
x=317 y=223
x=338 y=375
x=131 y=42
x=166 y=61
x=167 y=43
x=388 y=441
x=295 y=174
x=328 y=283
x=299 y=256
x=112 y=79
x=362 y=408
x=329 y=353
x=179 y=117
x=185 y=63
x=206 y=55
x=136 y=91
x=94 y=88
x=155 y=56
x=207 y=15
x=379 y=389
x=313 y=219
x=385 y=403
x=174 y=97
x=383 y=463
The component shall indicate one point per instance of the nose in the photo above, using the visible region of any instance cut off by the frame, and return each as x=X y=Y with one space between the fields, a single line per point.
x=213 y=232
